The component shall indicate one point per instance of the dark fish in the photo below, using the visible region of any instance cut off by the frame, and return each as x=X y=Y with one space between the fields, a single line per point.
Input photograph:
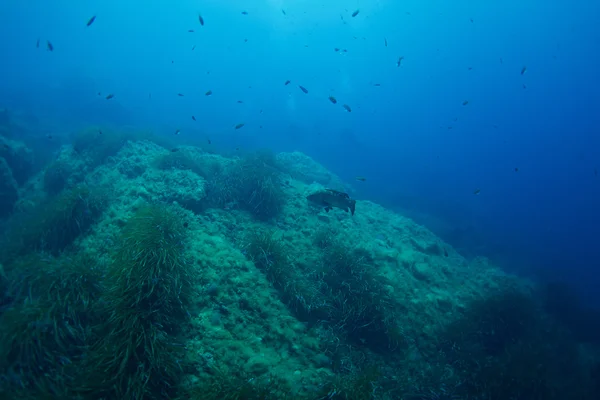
x=361 y=178
x=190 y=30
x=477 y=191
x=347 y=108
x=517 y=169
x=385 y=42
x=238 y=126
x=286 y=83
x=303 y=89
x=174 y=150
x=377 y=84
x=193 y=47
x=244 y=12
x=283 y=11
x=110 y=96
x=91 y=21
x=49 y=45
x=37 y=44
x=177 y=132
x=523 y=70
x=180 y=94
x=445 y=253
x=464 y=103
x=194 y=118
x=49 y=136
x=99 y=94
x=344 y=50
x=209 y=141
x=399 y=62
x=332 y=99
x=336 y=49
x=208 y=93
x=99 y=131
x=330 y=198
x=355 y=13
x=471 y=19
x=201 y=20
x=240 y=102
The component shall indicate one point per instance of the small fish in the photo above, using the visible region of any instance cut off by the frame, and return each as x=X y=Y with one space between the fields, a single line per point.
x=344 y=50
x=208 y=93
x=283 y=11
x=110 y=96
x=178 y=131
x=190 y=30
x=209 y=141
x=355 y=13
x=49 y=137
x=445 y=253
x=303 y=89
x=596 y=172
x=174 y=150
x=523 y=70
x=347 y=108
x=180 y=94
x=238 y=126
x=336 y=49
x=477 y=191
x=377 y=84
x=385 y=42
x=240 y=102
x=524 y=86
x=99 y=131
x=37 y=44
x=201 y=20
x=399 y=62
x=464 y=103
x=193 y=47
x=471 y=19
x=244 y=12
x=332 y=99
x=286 y=83
x=194 y=118
x=49 y=46
x=91 y=21
x=516 y=169
x=361 y=178
x=149 y=95
x=99 y=94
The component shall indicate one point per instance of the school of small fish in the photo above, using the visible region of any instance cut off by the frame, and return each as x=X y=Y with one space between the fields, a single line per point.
x=332 y=99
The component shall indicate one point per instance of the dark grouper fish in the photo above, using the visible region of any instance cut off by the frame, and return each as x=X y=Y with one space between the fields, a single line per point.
x=330 y=198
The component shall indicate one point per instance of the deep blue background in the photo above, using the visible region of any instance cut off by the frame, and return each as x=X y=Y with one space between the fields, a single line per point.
x=422 y=151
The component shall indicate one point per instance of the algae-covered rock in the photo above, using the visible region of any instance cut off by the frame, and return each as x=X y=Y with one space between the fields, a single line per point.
x=302 y=167
x=181 y=186
x=9 y=193
x=19 y=158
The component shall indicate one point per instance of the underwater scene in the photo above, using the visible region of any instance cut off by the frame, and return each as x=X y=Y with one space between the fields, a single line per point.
x=299 y=200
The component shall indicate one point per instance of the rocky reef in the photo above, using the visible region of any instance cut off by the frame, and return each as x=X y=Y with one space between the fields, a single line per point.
x=135 y=270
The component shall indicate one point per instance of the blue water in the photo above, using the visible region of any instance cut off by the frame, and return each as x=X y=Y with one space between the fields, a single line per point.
x=422 y=151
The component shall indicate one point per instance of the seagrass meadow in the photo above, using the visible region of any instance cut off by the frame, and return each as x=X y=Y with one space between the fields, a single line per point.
x=133 y=269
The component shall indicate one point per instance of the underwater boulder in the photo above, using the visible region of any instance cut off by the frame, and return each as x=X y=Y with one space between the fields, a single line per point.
x=303 y=168
x=9 y=193
x=19 y=158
